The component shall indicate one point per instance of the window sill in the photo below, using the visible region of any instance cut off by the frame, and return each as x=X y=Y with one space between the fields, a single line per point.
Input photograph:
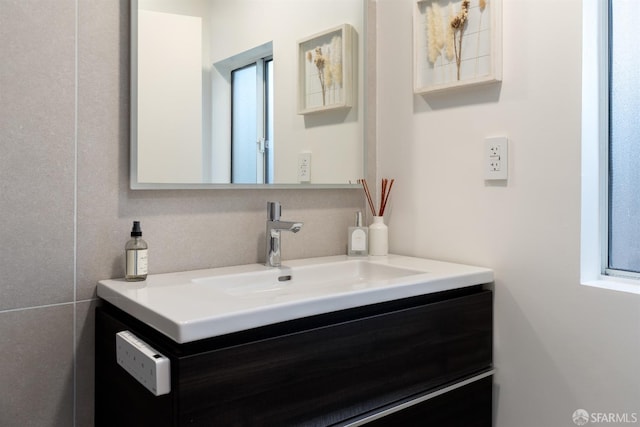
x=611 y=283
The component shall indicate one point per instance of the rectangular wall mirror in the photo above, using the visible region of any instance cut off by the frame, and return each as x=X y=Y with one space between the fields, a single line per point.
x=215 y=91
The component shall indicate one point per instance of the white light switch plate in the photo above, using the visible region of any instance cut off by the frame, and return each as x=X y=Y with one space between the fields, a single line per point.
x=496 y=158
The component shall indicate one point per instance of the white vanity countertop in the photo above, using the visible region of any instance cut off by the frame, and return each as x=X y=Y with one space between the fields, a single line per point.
x=193 y=305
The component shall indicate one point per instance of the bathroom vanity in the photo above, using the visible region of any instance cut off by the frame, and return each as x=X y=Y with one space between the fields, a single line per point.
x=329 y=341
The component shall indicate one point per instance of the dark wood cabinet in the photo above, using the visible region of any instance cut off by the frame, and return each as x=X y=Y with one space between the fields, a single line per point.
x=333 y=369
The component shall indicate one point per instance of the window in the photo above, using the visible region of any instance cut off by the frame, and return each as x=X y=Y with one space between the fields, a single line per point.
x=241 y=143
x=252 y=123
x=610 y=255
x=624 y=139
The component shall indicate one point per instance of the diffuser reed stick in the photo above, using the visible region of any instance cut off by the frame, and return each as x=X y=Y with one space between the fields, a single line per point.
x=385 y=194
x=368 y=194
x=386 y=186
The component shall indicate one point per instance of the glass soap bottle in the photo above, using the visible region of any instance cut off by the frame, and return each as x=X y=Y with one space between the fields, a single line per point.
x=136 y=255
x=358 y=237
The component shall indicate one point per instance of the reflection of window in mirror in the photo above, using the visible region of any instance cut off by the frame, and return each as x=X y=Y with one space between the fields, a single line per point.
x=252 y=123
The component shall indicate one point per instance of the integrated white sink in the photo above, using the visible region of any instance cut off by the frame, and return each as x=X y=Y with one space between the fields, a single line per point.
x=307 y=280
x=193 y=305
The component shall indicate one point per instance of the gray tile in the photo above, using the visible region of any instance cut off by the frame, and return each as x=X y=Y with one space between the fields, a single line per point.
x=326 y=215
x=36 y=349
x=85 y=362
x=103 y=138
x=189 y=230
x=37 y=84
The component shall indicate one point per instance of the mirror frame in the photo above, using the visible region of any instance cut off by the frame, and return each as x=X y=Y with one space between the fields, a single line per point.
x=368 y=131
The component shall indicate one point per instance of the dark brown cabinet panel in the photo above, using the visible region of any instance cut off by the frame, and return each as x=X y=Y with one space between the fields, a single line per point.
x=317 y=371
x=468 y=406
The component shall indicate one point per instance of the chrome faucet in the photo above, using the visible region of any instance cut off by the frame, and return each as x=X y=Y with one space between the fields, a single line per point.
x=274 y=227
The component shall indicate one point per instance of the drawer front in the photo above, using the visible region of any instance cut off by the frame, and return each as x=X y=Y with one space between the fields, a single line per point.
x=468 y=406
x=327 y=375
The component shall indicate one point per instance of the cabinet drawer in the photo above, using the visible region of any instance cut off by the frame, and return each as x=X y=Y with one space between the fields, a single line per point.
x=466 y=406
x=332 y=373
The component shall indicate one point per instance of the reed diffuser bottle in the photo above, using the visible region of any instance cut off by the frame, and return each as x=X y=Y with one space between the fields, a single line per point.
x=136 y=255
x=378 y=230
x=378 y=237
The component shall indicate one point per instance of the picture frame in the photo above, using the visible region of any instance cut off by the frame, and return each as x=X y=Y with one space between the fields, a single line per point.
x=456 y=44
x=325 y=70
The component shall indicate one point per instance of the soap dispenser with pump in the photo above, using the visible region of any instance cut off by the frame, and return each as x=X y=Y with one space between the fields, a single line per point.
x=358 y=238
x=136 y=255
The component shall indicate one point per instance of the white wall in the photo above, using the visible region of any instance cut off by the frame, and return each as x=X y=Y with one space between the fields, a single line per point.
x=200 y=169
x=559 y=346
x=169 y=77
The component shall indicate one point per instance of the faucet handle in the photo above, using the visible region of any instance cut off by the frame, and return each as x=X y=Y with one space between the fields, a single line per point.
x=274 y=210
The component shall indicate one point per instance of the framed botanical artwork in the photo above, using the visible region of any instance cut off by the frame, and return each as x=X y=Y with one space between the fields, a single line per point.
x=325 y=77
x=456 y=43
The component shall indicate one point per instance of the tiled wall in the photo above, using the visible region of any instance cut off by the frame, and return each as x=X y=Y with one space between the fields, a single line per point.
x=66 y=210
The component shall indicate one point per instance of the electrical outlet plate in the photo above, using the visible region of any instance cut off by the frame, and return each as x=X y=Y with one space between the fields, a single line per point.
x=304 y=166
x=496 y=158
x=146 y=365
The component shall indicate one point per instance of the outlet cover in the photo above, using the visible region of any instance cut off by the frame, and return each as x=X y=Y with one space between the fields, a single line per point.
x=496 y=158
x=304 y=166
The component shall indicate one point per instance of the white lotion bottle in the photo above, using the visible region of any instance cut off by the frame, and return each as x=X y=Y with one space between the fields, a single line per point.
x=136 y=255
x=358 y=238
